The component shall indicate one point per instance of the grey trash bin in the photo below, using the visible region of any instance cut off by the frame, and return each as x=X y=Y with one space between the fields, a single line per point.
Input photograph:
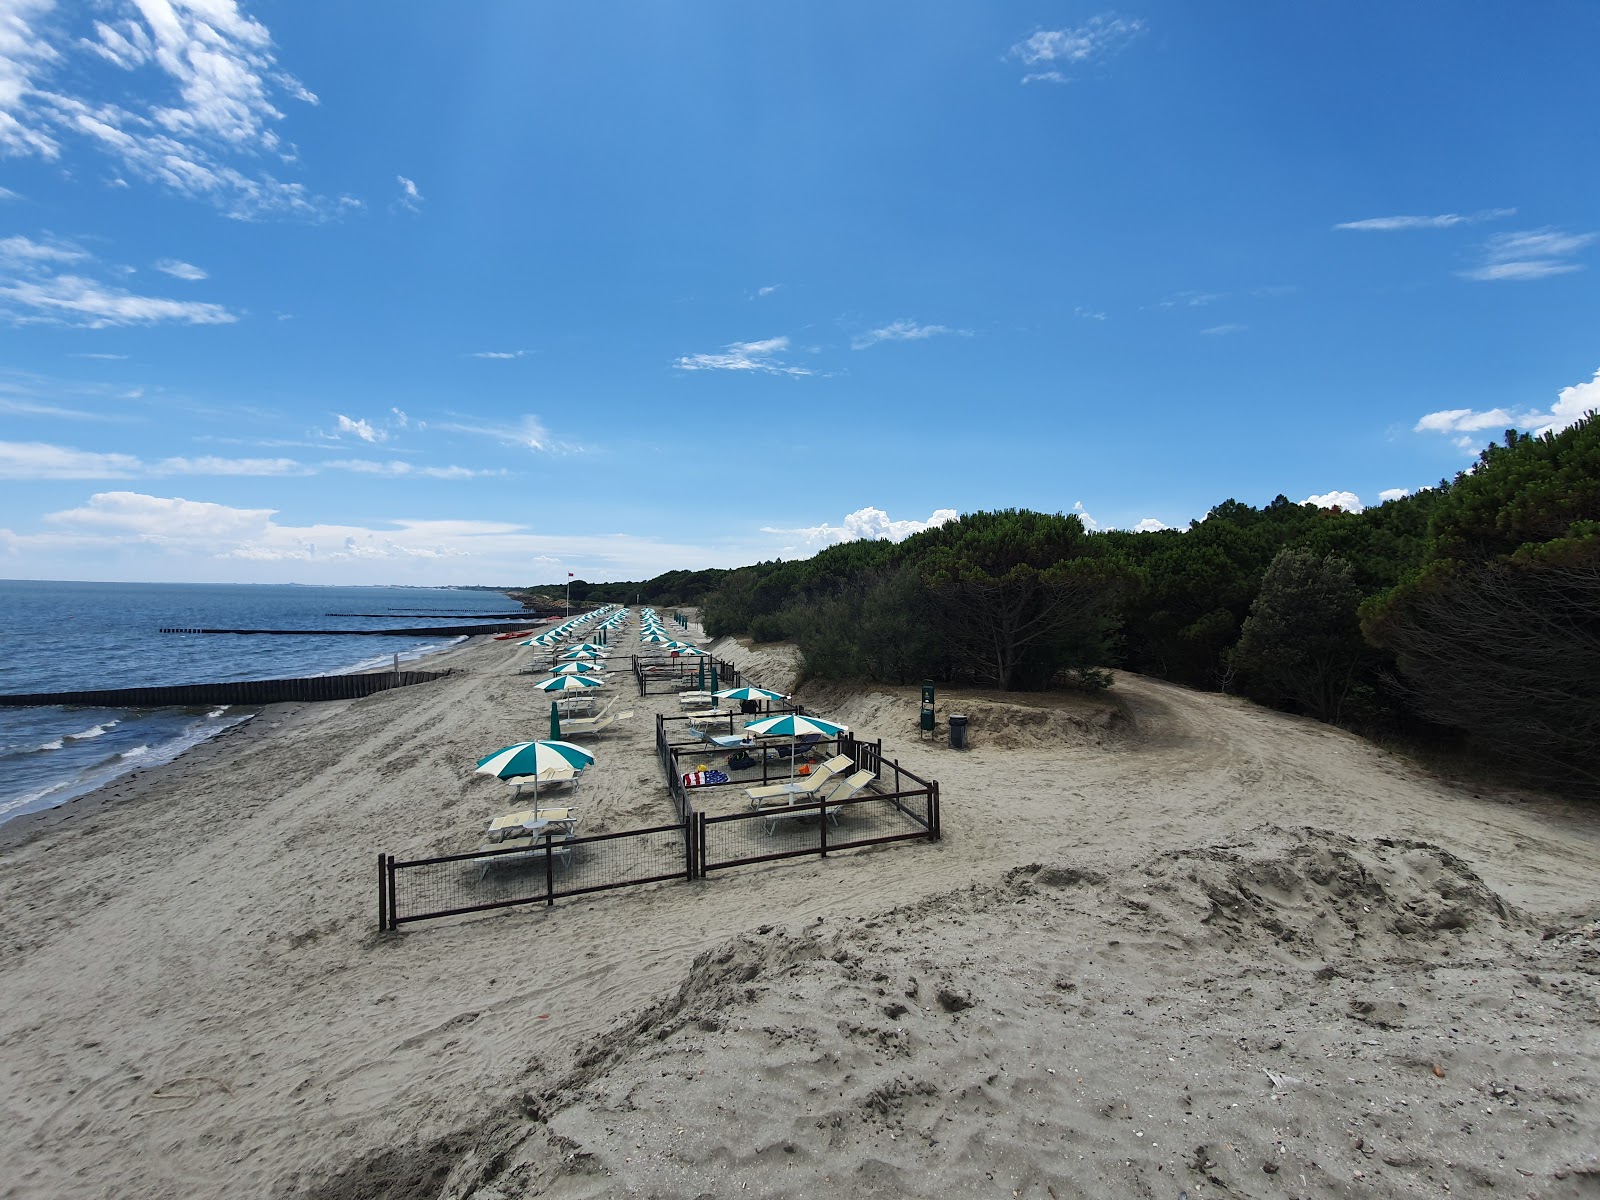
x=958 y=731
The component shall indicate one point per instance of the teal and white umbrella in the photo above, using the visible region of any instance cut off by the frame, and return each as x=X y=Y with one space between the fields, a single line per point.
x=546 y=758
x=569 y=683
x=536 y=760
x=749 y=693
x=577 y=668
x=795 y=727
x=582 y=655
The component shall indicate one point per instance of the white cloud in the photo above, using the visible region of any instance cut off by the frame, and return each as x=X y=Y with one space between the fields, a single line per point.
x=398 y=468
x=1441 y=221
x=903 y=331
x=1151 y=525
x=1224 y=330
x=758 y=357
x=1088 y=314
x=106 y=357
x=179 y=269
x=25 y=252
x=498 y=354
x=410 y=198
x=867 y=523
x=1571 y=405
x=75 y=300
x=1190 y=299
x=1530 y=254
x=151 y=537
x=32 y=293
x=1389 y=494
x=1348 y=501
x=364 y=430
x=39 y=460
x=1098 y=37
x=527 y=433
x=769 y=289
x=212 y=465
x=207 y=81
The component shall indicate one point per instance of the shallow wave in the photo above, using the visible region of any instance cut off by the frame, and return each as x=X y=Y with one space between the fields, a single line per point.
x=93 y=731
x=55 y=745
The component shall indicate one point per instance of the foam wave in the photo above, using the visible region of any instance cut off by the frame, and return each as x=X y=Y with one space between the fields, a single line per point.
x=55 y=745
x=93 y=731
x=136 y=752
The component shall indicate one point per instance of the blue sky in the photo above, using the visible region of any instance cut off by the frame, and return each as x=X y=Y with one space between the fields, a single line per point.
x=483 y=293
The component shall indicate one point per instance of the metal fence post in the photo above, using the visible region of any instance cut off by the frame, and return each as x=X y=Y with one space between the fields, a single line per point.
x=394 y=916
x=549 y=873
x=822 y=830
x=933 y=809
x=383 y=895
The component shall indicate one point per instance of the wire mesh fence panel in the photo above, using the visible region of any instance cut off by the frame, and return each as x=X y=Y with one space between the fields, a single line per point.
x=533 y=872
x=645 y=856
x=740 y=838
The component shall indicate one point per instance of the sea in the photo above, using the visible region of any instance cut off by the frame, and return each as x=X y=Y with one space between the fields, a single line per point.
x=58 y=637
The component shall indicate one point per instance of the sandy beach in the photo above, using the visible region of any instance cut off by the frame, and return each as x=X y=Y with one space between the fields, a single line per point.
x=1171 y=943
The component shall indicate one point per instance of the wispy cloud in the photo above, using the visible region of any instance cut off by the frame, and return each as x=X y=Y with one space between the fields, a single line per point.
x=41 y=460
x=32 y=292
x=1441 y=221
x=1055 y=51
x=903 y=331
x=768 y=290
x=1530 y=254
x=1088 y=314
x=209 y=85
x=74 y=300
x=397 y=468
x=1224 y=330
x=1190 y=299
x=1389 y=494
x=498 y=354
x=107 y=357
x=179 y=269
x=760 y=357
x=1571 y=405
x=410 y=198
x=526 y=433
x=865 y=523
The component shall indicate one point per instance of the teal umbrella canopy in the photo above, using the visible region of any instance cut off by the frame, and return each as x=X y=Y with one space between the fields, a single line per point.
x=534 y=758
x=569 y=683
x=795 y=725
x=578 y=668
x=750 y=693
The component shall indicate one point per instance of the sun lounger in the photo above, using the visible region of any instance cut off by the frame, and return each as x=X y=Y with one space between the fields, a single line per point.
x=838 y=788
x=784 y=793
x=590 y=725
x=691 y=699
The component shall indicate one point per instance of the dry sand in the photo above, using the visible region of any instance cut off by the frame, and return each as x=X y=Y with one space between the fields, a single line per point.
x=1171 y=943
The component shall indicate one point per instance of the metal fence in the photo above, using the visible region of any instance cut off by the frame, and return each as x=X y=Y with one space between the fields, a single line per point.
x=659 y=673
x=738 y=839
x=451 y=884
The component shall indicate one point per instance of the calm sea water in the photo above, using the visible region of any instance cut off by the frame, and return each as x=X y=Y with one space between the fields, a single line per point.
x=57 y=637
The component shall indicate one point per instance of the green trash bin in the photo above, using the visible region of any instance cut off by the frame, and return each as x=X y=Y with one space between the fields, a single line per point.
x=958 y=731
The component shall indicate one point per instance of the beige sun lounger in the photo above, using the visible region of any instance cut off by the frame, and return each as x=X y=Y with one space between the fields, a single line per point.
x=786 y=793
x=585 y=725
x=838 y=789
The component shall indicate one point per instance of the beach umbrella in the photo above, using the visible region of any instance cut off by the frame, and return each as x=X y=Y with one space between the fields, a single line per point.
x=689 y=651
x=577 y=668
x=700 y=681
x=555 y=721
x=580 y=655
x=794 y=726
x=713 y=677
x=569 y=683
x=750 y=693
x=536 y=761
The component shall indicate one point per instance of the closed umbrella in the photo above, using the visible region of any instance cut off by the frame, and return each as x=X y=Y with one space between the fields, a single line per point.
x=555 y=721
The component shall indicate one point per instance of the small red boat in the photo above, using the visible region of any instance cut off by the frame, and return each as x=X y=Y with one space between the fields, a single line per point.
x=501 y=637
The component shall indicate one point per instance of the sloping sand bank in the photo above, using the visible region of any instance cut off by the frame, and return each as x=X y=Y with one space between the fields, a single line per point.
x=196 y=1000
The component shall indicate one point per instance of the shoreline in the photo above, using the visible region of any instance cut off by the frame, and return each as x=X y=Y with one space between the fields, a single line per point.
x=139 y=784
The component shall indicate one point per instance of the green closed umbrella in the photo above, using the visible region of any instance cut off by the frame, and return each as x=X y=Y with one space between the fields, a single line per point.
x=701 y=681
x=555 y=722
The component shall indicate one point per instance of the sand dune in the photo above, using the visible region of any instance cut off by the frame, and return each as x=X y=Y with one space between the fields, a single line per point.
x=1146 y=911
